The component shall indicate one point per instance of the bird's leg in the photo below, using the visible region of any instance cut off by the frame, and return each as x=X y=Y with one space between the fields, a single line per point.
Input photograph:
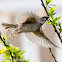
x=13 y=37
x=17 y=31
x=10 y=35
x=14 y=32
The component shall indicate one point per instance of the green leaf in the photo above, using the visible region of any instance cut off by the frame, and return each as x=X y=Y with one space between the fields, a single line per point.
x=48 y=22
x=1 y=42
x=16 y=53
x=52 y=9
x=6 y=42
x=4 y=48
x=56 y=19
x=8 y=46
x=22 y=52
x=6 y=61
x=0 y=51
x=5 y=37
x=51 y=12
x=7 y=56
x=48 y=1
x=56 y=25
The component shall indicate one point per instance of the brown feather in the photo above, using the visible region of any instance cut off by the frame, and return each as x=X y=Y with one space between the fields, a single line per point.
x=40 y=39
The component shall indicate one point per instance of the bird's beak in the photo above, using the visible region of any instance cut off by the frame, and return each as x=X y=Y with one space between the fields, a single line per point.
x=47 y=18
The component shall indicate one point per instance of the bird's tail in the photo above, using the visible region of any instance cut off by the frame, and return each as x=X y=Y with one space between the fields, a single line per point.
x=6 y=25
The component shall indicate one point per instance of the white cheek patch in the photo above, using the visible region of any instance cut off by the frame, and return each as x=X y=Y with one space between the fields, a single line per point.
x=43 y=19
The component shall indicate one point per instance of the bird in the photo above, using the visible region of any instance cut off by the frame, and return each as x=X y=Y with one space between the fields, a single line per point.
x=32 y=27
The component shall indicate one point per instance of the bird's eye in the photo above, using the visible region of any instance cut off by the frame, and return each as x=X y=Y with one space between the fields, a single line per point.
x=43 y=19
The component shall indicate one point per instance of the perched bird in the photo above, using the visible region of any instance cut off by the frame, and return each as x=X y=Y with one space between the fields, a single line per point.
x=32 y=27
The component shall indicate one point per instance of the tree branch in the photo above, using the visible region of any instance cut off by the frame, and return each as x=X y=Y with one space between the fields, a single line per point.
x=52 y=54
x=54 y=29
x=6 y=46
x=51 y=21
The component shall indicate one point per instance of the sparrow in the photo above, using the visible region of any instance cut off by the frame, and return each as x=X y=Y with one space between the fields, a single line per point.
x=31 y=25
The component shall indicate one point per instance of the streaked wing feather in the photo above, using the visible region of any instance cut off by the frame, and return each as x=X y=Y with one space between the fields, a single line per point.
x=40 y=39
x=28 y=18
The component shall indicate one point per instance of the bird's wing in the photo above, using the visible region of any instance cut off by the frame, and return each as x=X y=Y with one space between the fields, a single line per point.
x=28 y=18
x=40 y=39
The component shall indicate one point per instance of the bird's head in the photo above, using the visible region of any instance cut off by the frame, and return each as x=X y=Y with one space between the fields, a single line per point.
x=43 y=19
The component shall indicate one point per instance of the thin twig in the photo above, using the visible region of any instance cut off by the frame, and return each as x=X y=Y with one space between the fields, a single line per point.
x=53 y=27
x=51 y=21
x=52 y=55
x=6 y=46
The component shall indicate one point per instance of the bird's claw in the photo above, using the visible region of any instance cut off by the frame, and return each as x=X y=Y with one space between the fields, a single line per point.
x=13 y=38
x=10 y=35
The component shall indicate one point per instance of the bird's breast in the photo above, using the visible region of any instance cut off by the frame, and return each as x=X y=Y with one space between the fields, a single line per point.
x=30 y=27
